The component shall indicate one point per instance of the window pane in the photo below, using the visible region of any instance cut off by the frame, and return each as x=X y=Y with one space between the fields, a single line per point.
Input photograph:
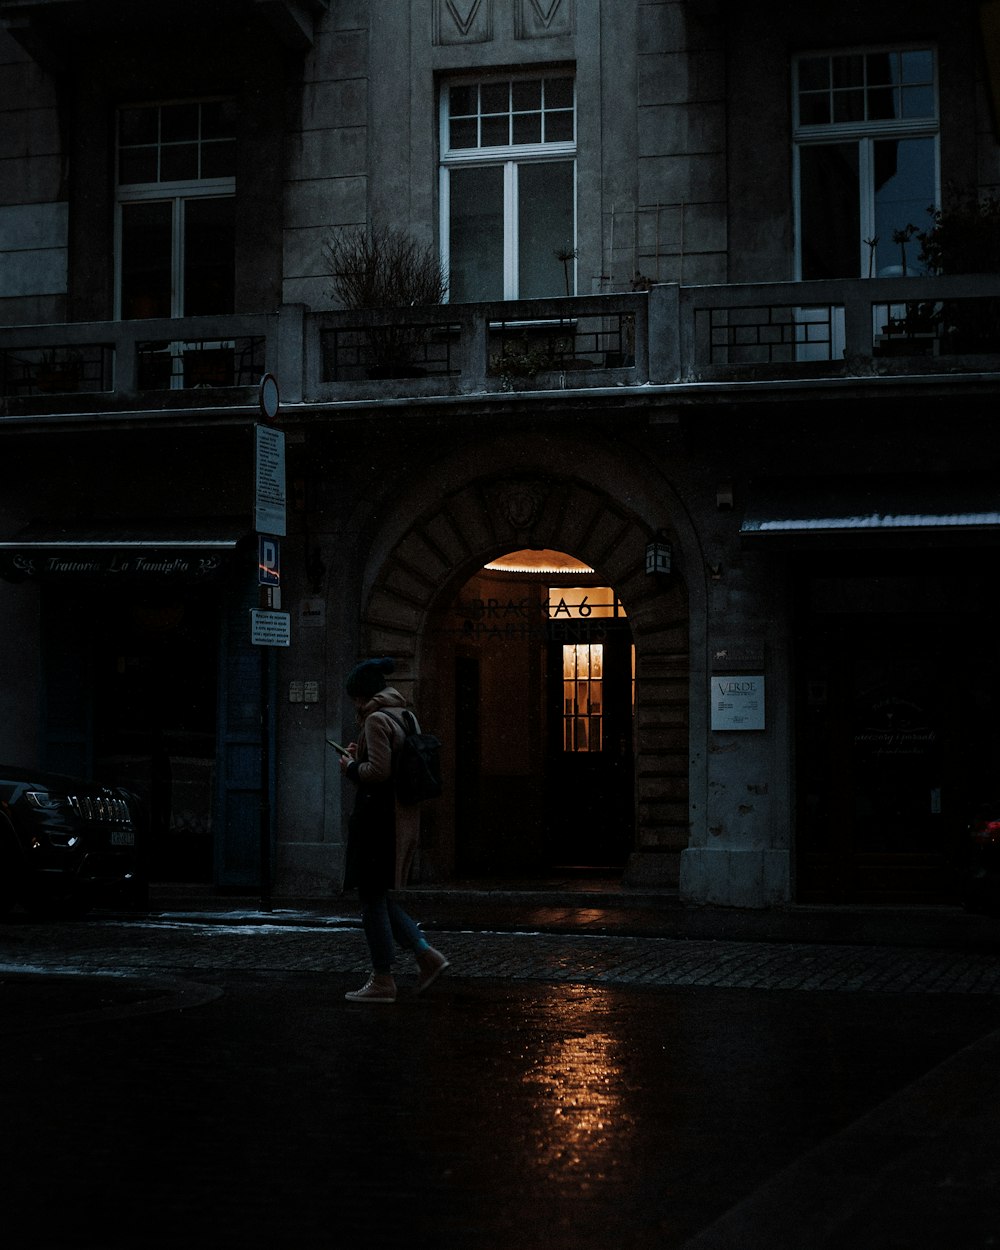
x=916 y=102
x=849 y=106
x=179 y=162
x=917 y=66
x=495 y=97
x=145 y=265
x=879 y=67
x=830 y=210
x=462 y=101
x=814 y=108
x=218 y=159
x=848 y=71
x=527 y=127
x=496 y=131
x=137 y=165
x=558 y=93
x=476 y=234
x=545 y=229
x=208 y=256
x=464 y=133
x=814 y=73
x=179 y=122
x=559 y=127
x=527 y=94
x=904 y=189
x=138 y=125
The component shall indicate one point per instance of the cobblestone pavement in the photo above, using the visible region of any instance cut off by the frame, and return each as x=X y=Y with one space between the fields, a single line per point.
x=557 y=1091
x=173 y=942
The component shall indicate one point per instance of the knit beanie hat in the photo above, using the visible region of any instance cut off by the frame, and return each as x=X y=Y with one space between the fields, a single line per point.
x=368 y=678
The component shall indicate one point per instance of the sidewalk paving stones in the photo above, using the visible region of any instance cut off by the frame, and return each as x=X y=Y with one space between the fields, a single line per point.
x=575 y=1086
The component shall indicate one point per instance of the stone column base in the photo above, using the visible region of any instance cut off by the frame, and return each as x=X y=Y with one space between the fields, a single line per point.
x=308 y=869
x=652 y=870
x=734 y=878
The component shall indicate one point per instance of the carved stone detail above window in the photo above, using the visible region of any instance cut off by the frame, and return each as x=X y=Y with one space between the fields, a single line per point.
x=463 y=21
x=537 y=19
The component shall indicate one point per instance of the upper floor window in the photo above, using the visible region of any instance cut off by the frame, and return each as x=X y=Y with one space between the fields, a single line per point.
x=866 y=159
x=176 y=176
x=508 y=175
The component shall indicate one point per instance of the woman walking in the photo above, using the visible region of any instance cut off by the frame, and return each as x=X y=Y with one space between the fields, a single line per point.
x=382 y=835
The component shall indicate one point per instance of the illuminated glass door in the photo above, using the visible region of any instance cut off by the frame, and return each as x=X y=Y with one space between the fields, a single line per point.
x=590 y=769
x=583 y=696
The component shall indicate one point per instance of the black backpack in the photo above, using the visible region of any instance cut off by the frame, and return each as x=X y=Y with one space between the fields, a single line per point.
x=417 y=766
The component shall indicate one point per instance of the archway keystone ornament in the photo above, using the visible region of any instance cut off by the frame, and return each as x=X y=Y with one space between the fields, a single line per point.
x=521 y=505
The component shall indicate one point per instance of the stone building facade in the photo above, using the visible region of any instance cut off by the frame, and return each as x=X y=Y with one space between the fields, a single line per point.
x=677 y=516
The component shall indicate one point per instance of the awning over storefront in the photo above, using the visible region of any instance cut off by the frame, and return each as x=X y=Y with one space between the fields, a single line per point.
x=814 y=508
x=184 y=550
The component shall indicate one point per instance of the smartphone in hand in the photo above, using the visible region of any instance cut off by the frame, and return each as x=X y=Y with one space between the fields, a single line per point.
x=338 y=748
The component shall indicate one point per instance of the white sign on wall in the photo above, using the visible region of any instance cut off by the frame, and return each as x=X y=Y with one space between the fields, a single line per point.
x=269 y=495
x=737 y=701
x=270 y=629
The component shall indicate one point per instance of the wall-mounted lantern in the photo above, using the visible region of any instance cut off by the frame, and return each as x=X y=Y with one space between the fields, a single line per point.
x=659 y=554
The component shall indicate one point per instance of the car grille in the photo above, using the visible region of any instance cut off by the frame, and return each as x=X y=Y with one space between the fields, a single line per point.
x=104 y=808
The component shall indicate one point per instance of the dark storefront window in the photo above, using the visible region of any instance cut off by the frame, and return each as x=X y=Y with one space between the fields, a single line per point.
x=897 y=735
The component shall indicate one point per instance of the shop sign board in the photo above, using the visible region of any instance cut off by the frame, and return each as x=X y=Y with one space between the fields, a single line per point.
x=124 y=563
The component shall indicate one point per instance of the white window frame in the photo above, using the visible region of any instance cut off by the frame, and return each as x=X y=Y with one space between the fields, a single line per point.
x=509 y=157
x=864 y=133
x=174 y=193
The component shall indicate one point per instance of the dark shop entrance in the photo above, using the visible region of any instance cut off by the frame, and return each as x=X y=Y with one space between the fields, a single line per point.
x=898 y=737
x=131 y=698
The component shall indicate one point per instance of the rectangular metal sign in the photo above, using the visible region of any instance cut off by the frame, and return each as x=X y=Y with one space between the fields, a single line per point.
x=269 y=496
x=268 y=561
x=738 y=701
x=270 y=629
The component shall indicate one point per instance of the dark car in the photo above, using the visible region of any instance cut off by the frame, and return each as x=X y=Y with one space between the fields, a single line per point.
x=981 y=871
x=65 y=844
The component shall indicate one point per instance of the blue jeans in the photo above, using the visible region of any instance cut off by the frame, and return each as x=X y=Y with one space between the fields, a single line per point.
x=383 y=921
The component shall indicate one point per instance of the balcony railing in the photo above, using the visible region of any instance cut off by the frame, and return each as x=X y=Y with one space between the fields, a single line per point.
x=669 y=336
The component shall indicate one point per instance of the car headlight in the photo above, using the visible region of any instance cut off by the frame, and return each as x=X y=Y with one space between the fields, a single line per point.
x=43 y=801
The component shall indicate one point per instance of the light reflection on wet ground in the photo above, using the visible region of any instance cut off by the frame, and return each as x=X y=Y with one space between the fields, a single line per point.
x=497 y=1110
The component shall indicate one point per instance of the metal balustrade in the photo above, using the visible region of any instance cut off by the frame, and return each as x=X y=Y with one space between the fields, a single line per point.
x=669 y=336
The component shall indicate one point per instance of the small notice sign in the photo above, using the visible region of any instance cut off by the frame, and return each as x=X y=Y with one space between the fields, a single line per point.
x=269 y=509
x=738 y=701
x=312 y=613
x=270 y=629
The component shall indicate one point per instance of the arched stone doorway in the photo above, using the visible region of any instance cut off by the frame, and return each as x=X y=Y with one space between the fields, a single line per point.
x=417 y=577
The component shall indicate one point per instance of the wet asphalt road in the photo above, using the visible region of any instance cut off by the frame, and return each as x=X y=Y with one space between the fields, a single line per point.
x=199 y=1085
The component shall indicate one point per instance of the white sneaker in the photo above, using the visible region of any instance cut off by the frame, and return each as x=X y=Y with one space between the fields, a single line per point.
x=377 y=989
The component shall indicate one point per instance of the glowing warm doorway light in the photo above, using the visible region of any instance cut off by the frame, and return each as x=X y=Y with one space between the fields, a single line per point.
x=583 y=697
x=541 y=561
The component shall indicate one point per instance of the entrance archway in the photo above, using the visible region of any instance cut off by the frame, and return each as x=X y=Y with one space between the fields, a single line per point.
x=418 y=575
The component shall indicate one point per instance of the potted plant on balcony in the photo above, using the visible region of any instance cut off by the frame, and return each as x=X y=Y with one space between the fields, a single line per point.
x=380 y=268
x=964 y=237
